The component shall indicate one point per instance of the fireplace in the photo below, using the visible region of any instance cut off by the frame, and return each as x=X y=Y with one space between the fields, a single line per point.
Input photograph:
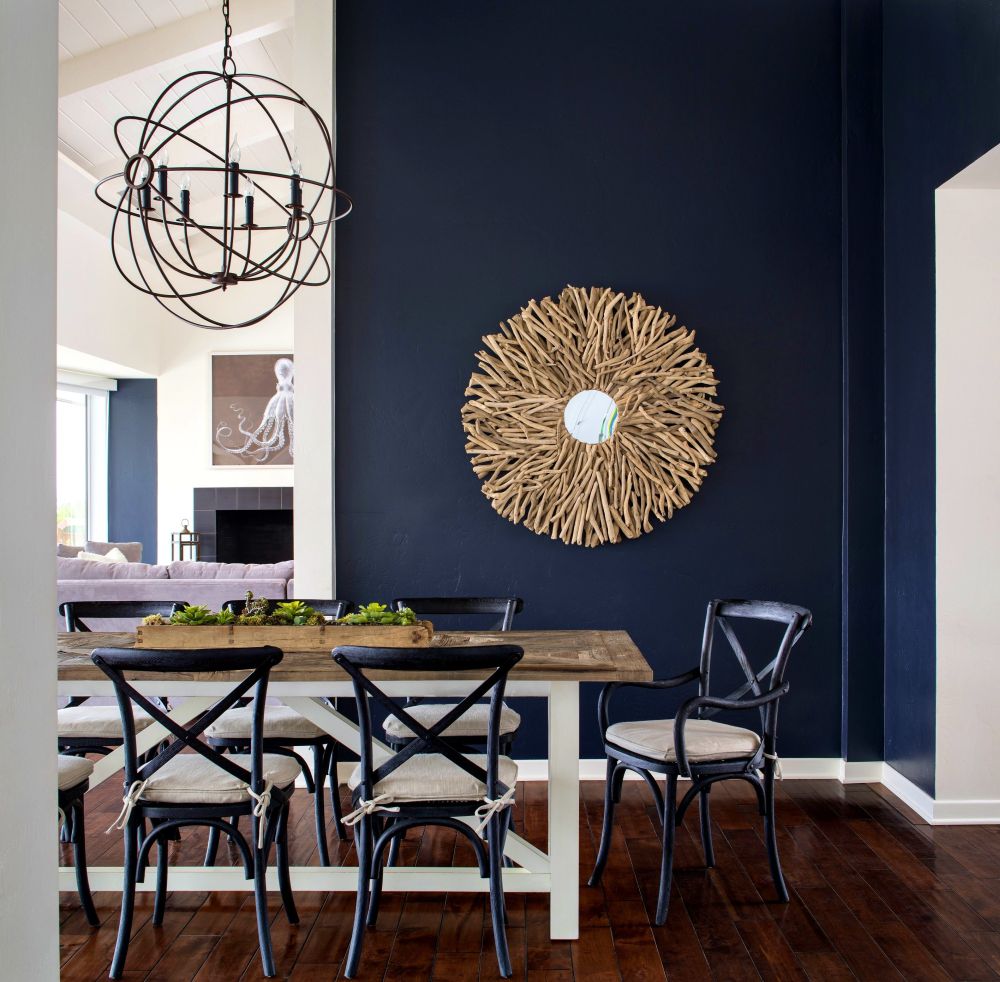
x=244 y=525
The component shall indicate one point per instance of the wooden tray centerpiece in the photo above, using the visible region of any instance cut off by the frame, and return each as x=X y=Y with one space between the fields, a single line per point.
x=291 y=625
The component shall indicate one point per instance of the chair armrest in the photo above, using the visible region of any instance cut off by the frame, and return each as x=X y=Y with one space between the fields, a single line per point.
x=606 y=693
x=714 y=702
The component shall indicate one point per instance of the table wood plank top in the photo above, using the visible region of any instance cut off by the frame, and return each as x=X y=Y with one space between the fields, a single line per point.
x=550 y=656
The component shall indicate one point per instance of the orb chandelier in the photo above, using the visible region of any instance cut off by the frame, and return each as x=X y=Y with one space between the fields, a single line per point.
x=181 y=232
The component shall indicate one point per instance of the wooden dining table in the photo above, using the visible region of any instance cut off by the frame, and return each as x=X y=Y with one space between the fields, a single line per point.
x=553 y=666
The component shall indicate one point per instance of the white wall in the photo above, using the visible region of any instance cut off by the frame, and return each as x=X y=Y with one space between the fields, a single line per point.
x=99 y=313
x=314 y=501
x=968 y=491
x=184 y=418
x=29 y=922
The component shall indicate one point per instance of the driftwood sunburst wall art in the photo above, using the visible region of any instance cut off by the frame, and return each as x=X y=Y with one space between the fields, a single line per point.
x=591 y=415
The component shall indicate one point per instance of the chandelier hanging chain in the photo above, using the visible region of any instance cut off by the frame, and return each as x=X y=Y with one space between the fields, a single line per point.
x=162 y=243
x=227 y=43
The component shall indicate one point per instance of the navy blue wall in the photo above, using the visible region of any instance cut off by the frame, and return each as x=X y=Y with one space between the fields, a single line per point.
x=942 y=111
x=863 y=389
x=688 y=151
x=132 y=464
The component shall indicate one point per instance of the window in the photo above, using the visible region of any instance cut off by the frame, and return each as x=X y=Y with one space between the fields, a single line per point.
x=81 y=464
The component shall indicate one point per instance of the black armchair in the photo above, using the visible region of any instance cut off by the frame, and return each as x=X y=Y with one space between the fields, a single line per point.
x=691 y=745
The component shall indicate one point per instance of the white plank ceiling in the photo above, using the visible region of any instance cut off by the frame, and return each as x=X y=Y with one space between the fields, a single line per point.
x=87 y=118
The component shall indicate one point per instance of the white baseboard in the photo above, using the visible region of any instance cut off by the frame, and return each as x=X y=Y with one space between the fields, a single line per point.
x=941 y=811
x=931 y=810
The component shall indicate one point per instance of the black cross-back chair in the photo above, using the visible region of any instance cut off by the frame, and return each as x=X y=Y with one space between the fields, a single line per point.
x=429 y=781
x=88 y=729
x=284 y=730
x=691 y=746
x=73 y=782
x=470 y=731
x=173 y=790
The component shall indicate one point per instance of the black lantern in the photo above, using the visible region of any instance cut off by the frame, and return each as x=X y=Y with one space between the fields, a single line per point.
x=185 y=544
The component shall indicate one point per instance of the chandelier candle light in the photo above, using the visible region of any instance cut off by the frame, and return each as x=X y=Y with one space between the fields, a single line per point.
x=175 y=249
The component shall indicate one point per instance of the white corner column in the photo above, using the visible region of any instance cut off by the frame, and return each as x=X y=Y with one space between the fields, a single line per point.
x=29 y=912
x=314 y=408
x=967 y=766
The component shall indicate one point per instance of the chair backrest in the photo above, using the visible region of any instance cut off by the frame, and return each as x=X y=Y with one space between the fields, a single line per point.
x=498 y=660
x=721 y=614
x=329 y=608
x=501 y=609
x=116 y=663
x=77 y=612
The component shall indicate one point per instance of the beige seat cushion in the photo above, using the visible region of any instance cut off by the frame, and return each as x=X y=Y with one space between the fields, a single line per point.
x=194 y=779
x=704 y=739
x=97 y=722
x=280 y=723
x=73 y=771
x=473 y=723
x=432 y=777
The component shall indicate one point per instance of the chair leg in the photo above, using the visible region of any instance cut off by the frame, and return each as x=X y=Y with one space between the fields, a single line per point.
x=363 y=845
x=667 y=859
x=705 y=814
x=771 y=836
x=376 y=877
x=609 y=814
x=80 y=863
x=160 y=898
x=319 y=776
x=140 y=870
x=260 y=902
x=497 y=831
x=213 y=846
x=393 y=857
x=127 y=899
x=281 y=860
x=333 y=758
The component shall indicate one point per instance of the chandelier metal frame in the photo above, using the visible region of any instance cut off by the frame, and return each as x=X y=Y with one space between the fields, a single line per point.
x=309 y=213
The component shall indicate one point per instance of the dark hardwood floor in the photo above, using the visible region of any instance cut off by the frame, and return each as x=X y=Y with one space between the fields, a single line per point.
x=876 y=894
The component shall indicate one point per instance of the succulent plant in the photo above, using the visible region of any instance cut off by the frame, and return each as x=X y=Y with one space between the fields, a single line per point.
x=376 y=613
x=154 y=620
x=194 y=616
x=225 y=617
x=294 y=612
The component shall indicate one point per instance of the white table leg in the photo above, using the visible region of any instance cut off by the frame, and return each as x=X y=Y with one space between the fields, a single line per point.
x=564 y=810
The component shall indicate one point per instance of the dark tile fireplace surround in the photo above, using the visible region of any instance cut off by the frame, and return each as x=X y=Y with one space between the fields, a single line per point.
x=244 y=525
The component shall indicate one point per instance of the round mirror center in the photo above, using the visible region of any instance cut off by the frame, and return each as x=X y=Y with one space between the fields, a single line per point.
x=591 y=416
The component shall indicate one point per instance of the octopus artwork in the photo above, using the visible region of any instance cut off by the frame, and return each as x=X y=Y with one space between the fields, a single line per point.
x=259 y=442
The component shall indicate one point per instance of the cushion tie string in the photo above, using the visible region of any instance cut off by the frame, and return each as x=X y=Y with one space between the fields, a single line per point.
x=261 y=803
x=777 y=764
x=491 y=806
x=129 y=800
x=369 y=808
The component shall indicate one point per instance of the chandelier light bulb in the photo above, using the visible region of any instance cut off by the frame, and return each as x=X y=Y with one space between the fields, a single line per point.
x=163 y=159
x=186 y=182
x=295 y=164
x=251 y=188
x=234 y=151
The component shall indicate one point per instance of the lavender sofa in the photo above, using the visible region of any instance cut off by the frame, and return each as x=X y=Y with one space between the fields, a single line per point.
x=209 y=584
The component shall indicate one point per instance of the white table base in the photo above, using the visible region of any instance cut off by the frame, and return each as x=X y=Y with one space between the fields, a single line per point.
x=555 y=873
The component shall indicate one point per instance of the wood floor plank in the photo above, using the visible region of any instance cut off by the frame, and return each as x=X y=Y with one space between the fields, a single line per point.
x=875 y=894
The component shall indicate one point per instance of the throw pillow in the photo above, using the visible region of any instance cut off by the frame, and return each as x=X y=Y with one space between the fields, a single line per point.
x=111 y=556
x=131 y=550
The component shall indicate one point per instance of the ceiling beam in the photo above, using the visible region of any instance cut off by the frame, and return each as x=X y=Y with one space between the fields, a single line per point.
x=187 y=38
